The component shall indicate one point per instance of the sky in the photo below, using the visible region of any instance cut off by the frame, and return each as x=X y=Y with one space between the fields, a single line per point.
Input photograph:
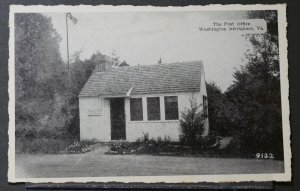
x=142 y=38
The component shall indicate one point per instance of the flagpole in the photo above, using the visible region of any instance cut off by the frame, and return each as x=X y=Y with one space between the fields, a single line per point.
x=67 y=31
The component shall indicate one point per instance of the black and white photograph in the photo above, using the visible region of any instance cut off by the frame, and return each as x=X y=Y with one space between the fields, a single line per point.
x=148 y=94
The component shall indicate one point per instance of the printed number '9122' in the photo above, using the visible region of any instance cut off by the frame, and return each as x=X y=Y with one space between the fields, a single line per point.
x=265 y=156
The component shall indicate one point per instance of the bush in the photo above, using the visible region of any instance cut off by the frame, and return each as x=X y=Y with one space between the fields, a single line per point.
x=144 y=145
x=82 y=147
x=210 y=141
x=32 y=137
x=192 y=127
x=41 y=145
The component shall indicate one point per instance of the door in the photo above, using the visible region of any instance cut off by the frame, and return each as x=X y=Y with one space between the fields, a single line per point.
x=117 y=117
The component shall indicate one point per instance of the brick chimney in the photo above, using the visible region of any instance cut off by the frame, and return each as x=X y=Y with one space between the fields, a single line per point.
x=103 y=66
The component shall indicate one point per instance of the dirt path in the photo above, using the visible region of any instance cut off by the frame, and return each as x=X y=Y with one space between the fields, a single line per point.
x=98 y=164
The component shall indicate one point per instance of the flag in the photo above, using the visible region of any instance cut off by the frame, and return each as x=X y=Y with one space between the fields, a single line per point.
x=72 y=18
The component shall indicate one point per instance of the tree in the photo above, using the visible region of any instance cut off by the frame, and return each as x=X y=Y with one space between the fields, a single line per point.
x=39 y=70
x=124 y=63
x=114 y=59
x=192 y=126
x=80 y=71
x=47 y=108
x=221 y=112
x=256 y=91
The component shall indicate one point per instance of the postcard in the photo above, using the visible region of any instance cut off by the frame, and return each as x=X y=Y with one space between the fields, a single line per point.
x=148 y=94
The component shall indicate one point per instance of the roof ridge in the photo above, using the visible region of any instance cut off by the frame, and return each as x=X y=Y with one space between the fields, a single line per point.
x=200 y=62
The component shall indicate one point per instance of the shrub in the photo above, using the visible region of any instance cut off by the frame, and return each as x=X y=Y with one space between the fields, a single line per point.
x=41 y=145
x=82 y=147
x=191 y=126
x=146 y=137
x=159 y=140
x=167 y=139
x=210 y=141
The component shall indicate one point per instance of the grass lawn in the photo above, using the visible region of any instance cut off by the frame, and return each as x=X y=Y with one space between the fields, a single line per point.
x=95 y=164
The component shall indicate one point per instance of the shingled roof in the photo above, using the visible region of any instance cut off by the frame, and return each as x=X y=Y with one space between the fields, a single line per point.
x=150 y=79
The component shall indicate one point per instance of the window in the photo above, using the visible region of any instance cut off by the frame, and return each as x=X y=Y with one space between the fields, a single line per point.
x=136 y=109
x=171 y=107
x=205 y=106
x=153 y=107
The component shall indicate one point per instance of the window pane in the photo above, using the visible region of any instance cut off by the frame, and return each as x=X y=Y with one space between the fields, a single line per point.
x=153 y=108
x=136 y=109
x=171 y=107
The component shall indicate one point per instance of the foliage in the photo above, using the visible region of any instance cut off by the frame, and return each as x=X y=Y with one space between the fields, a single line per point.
x=256 y=92
x=40 y=77
x=82 y=147
x=191 y=126
x=144 y=145
x=221 y=112
x=41 y=145
x=167 y=148
x=250 y=109
x=47 y=105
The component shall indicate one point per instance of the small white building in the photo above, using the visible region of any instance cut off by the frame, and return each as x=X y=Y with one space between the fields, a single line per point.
x=127 y=102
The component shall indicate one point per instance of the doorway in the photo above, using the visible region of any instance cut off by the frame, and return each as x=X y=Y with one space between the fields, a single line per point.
x=117 y=118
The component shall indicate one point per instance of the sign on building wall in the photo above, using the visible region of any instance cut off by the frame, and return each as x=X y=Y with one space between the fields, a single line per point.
x=95 y=107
